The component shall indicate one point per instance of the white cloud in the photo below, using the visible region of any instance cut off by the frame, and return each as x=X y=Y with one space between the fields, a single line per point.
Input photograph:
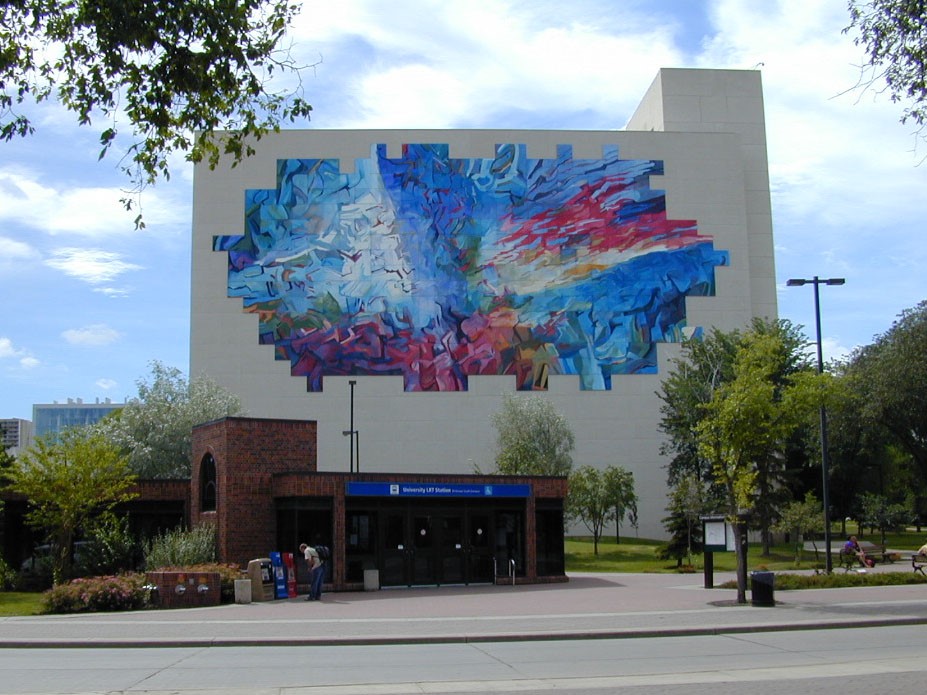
x=107 y=384
x=91 y=336
x=15 y=254
x=86 y=211
x=93 y=266
x=9 y=351
x=476 y=60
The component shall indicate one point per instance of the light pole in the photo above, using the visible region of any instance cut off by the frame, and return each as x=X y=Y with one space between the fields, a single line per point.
x=351 y=432
x=825 y=485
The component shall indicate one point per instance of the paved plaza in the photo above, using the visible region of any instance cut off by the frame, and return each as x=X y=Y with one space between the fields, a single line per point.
x=588 y=606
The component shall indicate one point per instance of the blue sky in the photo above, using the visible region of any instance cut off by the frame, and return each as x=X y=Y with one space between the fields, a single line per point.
x=89 y=302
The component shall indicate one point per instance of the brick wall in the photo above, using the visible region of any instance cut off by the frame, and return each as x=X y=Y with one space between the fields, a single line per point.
x=185 y=589
x=259 y=461
x=247 y=453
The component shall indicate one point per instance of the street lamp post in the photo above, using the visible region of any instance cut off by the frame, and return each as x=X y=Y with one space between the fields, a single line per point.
x=351 y=432
x=825 y=462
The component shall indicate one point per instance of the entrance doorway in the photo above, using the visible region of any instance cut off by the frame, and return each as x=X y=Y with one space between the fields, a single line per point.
x=453 y=544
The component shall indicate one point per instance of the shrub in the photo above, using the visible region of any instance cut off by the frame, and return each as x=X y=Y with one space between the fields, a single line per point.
x=7 y=576
x=117 y=593
x=789 y=582
x=179 y=548
x=110 y=548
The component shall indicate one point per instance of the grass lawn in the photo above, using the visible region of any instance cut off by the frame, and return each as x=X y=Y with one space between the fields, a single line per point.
x=20 y=603
x=639 y=555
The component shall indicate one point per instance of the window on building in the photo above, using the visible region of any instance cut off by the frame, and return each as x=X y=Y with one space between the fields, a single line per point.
x=208 y=484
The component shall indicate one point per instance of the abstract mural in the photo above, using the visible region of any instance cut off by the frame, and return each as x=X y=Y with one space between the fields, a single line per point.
x=437 y=268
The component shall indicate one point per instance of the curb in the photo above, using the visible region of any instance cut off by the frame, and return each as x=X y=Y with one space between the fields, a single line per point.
x=632 y=633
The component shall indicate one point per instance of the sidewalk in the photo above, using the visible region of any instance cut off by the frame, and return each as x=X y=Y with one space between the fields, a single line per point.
x=588 y=606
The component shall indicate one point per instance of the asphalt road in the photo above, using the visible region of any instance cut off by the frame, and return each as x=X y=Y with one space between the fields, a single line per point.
x=854 y=660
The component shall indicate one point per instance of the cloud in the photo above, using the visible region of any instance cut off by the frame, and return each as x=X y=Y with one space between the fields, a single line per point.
x=477 y=60
x=91 y=336
x=15 y=254
x=93 y=266
x=107 y=384
x=10 y=351
x=92 y=211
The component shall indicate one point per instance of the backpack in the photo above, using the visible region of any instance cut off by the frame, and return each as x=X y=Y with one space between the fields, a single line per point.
x=323 y=551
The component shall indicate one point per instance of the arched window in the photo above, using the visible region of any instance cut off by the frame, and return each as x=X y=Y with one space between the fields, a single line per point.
x=208 y=484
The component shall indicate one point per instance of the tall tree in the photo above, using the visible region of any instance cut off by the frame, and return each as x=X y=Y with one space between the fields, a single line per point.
x=890 y=378
x=532 y=438
x=875 y=511
x=704 y=367
x=749 y=421
x=893 y=33
x=164 y=69
x=598 y=496
x=68 y=479
x=620 y=485
x=687 y=504
x=799 y=518
x=155 y=430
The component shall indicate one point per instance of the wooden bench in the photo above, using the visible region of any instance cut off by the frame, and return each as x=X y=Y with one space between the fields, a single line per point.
x=918 y=562
x=848 y=559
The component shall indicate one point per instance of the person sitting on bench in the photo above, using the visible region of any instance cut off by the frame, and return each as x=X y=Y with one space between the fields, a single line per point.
x=851 y=547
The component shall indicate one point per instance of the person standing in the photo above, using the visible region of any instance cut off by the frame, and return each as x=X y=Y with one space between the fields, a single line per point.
x=316 y=571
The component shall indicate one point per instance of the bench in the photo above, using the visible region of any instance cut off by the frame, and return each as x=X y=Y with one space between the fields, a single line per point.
x=848 y=559
x=918 y=562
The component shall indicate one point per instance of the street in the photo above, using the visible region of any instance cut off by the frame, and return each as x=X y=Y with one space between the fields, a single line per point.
x=878 y=659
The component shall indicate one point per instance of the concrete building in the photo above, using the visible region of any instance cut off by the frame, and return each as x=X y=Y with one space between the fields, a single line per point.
x=15 y=435
x=392 y=286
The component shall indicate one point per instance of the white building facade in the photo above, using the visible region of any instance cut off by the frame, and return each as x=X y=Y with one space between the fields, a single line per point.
x=440 y=270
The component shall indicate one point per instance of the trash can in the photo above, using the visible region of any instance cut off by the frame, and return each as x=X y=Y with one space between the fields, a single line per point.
x=242 y=591
x=260 y=572
x=762 y=587
x=371 y=580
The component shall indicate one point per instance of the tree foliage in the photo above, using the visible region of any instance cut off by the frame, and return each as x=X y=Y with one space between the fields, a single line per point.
x=598 y=496
x=801 y=517
x=155 y=430
x=687 y=504
x=890 y=378
x=705 y=367
x=748 y=423
x=532 y=438
x=893 y=33
x=69 y=479
x=875 y=511
x=165 y=69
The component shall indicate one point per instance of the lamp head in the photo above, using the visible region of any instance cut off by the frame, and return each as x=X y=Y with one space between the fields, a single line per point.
x=796 y=282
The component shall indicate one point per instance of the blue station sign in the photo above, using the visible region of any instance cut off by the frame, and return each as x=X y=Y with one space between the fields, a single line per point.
x=436 y=490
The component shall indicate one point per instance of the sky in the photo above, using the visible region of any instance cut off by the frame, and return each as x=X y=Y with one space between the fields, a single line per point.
x=89 y=302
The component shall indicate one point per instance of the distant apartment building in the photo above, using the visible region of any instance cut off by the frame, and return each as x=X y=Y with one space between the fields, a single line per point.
x=55 y=417
x=16 y=435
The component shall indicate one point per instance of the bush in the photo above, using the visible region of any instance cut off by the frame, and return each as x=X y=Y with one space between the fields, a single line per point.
x=179 y=548
x=110 y=548
x=789 y=582
x=117 y=593
x=7 y=576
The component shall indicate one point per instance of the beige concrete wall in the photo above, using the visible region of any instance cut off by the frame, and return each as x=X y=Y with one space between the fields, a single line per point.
x=712 y=143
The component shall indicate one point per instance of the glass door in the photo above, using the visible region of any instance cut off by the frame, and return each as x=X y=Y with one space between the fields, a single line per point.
x=395 y=548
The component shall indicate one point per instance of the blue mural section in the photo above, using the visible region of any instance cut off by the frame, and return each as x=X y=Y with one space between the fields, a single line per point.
x=437 y=268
